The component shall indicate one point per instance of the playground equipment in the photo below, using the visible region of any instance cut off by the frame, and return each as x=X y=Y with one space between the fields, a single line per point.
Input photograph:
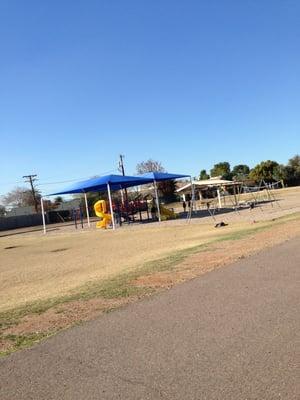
x=77 y=215
x=128 y=210
x=101 y=212
x=109 y=183
x=166 y=213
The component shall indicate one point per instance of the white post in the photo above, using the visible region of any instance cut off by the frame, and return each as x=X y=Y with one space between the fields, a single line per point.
x=111 y=207
x=43 y=215
x=87 y=210
x=235 y=198
x=157 y=200
x=219 y=198
x=193 y=194
x=122 y=196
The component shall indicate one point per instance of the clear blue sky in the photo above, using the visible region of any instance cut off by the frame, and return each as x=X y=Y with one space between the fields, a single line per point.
x=189 y=83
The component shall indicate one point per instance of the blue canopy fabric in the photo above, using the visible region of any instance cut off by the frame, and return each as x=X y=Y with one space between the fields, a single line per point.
x=116 y=182
x=162 y=176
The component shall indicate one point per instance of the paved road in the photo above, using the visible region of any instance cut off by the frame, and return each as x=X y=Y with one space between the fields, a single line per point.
x=230 y=334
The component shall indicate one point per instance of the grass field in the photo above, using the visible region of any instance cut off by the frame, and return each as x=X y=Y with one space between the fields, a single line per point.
x=69 y=275
x=36 y=268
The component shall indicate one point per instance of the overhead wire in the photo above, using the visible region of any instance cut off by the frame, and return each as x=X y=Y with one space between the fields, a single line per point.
x=57 y=182
x=75 y=180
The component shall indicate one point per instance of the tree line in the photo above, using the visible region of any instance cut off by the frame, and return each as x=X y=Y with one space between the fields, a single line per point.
x=269 y=171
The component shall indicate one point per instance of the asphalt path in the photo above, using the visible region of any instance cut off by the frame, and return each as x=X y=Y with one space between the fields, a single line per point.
x=230 y=334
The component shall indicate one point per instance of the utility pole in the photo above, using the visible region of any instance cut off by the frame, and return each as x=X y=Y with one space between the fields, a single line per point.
x=121 y=164
x=122 y=170
x=30 y=179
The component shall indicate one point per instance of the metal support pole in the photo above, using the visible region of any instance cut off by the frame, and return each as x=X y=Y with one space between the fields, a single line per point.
x=43 y=216
x=193 y=194
x=235 y=198
x=219 y=198
x=87 y=210
x=157 y=200
x=111 y=207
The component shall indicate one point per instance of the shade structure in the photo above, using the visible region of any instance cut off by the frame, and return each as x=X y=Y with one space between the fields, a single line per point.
x=102 y=183
x=162 y=176
x=113 y=182
x=209 y=183
x=216 y=182
x=159 y=177
x=99 y=184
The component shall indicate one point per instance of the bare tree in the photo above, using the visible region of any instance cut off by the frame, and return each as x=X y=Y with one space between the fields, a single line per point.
x=149 y=166
x=167 y=189
x=20 y=197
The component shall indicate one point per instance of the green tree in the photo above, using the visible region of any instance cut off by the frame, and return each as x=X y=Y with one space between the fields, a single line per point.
x=240 y=171
x=266 y=170
x=294 y=162
x=280 y=173
x=167 y=190
x=292 y=171
x=58 y=200
x=203 y=175
x=221 y=169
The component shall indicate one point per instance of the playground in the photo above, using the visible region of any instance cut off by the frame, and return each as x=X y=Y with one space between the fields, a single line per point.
x=36 y=266
x=52 y=281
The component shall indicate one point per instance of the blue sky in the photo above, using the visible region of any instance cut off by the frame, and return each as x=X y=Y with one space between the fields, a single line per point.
x=188 y=83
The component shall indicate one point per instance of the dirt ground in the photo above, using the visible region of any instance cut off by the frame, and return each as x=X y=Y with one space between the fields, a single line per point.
x=35 y=267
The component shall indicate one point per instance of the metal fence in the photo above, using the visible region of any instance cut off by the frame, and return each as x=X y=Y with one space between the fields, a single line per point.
x=20 y=221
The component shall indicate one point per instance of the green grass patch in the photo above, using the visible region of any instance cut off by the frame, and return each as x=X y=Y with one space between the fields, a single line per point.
x=17 y=342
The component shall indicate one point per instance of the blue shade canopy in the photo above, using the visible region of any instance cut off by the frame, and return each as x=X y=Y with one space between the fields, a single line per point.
x=99 y=184
x=162 y=176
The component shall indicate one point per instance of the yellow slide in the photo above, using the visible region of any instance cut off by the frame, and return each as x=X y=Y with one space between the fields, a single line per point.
x=101 y=212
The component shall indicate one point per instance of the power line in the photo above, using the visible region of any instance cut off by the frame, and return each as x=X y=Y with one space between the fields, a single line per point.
x=75 y=180
x=10 y=183
x=57 y=182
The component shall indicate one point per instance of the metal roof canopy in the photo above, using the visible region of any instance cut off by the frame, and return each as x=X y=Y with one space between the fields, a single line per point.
x=113 y=182
x=107 y=182
x=162 y=176
x=116 y=182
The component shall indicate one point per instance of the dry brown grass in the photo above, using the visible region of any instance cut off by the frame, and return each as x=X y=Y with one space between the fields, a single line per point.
x=25 y=326
x=34 y=267
x=53 y=282
x=36 y=270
